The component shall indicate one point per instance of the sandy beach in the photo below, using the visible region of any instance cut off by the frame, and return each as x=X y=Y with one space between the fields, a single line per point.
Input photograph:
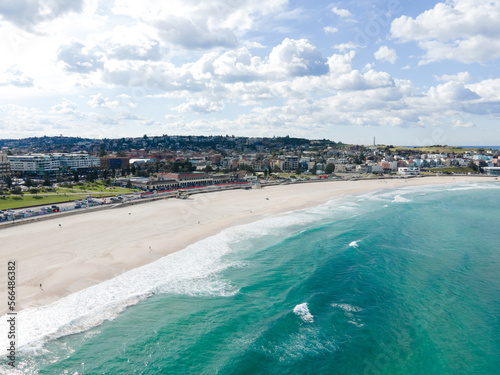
x=70 y=253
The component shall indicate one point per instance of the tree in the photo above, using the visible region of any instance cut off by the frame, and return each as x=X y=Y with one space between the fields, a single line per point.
x=76 y=178
x=473 y=166
x=8 y=181
x=34 y=191
x=91 y=176
x=314 y=169
x=105 y=174
x=113 y=172
x=330 y=168
x=28 y=182
x=246 y=167
x=133 y=170
x=46 y=180
x=299 y=169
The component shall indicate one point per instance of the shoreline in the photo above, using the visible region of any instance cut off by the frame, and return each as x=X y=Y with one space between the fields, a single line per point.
x=75 y=252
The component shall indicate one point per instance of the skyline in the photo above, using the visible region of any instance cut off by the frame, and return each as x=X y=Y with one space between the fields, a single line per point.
x=409 y=73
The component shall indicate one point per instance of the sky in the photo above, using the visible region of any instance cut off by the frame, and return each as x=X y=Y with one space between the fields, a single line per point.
x=407 y=72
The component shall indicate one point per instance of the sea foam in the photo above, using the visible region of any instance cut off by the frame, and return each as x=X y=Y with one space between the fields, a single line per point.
x=303 y=311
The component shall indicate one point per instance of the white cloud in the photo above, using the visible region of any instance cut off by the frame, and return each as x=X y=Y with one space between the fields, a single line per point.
x=489 y=89
x=28 y=14
x=138 y=42
x=66 y=107
x=343 y=47
x=297 y=58
x=462 y=30
x=384 y=53
x=200 y=25
x=330 y=30
x=202 y=105
x=459 y=77
x=14 y=77
x=195 y=35
x=78 y=59
x=99 y=101
x=452 y=92
x=341 y=12
x=462 y=124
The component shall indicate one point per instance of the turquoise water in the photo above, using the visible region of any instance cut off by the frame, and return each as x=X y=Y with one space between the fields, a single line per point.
x=394 y=282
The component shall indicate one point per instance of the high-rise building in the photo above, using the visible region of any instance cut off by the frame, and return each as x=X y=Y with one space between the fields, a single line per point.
x=4 y=164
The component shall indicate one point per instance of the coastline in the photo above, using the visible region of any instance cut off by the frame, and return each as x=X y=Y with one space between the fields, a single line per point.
x=91 y=248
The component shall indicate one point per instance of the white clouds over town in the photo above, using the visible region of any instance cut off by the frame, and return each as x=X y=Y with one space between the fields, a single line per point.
x=320 y=70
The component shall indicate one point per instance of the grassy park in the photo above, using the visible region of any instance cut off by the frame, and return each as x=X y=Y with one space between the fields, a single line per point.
x=49 y=196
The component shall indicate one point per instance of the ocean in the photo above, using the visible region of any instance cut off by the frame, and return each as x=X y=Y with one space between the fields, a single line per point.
x=403 y=281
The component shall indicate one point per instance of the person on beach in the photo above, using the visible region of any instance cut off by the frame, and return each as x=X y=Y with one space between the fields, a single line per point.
x=41 y=287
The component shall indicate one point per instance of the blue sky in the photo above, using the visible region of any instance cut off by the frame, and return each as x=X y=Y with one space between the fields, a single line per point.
x=405 y=72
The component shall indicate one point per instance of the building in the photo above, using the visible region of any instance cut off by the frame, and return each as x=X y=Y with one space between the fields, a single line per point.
x=146 y=183
x=230 y=163
x=291 y=163
x=41 y=164
x=492 y=171
x=166 y=181
x=141 y=161
x=114 y=162
x=409 y=171
x=4 y=164
x=197 y=179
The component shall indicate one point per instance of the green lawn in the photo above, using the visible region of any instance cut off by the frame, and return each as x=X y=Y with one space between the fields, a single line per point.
x=95 y=187
x=28 y=200
x=10 y=201
x=447 y=150
x=450 y=170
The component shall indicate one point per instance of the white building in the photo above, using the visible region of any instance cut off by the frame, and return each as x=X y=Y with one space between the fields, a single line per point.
x=492 y=171
x=47 y=163
x=409 y=171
